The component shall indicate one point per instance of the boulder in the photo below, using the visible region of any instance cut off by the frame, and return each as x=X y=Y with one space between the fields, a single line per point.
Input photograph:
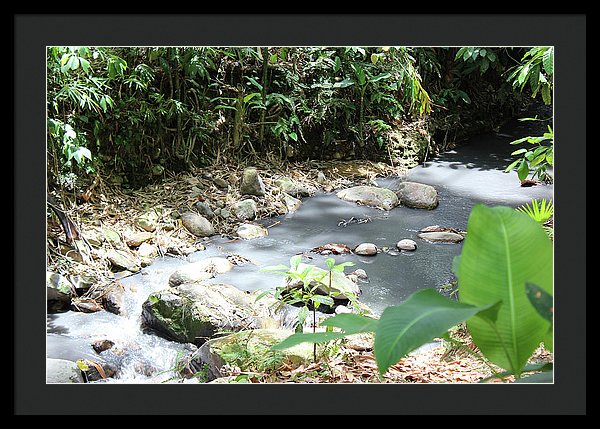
x=366 y=249
x=200 y=270
x=249 y=231
x=371 y=196
x=406 y=244
x=441 y=237
x=245 y=209
x=252 y=183
x=62 y=371
x=197 y=224
x=417 y=195
x=194 y=312
x=249 y=351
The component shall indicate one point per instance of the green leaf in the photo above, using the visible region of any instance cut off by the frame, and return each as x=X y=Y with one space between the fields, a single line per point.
x=541 y=300
x=425 y=315
x=502 y=251
x=299 y=338
x=519 y=151
x=523 y=170
x=511 y=166
x=322 y=299
x=351 y=323
x=343 y=83
x=548 y=61
x=546 y=94
x=374 y=58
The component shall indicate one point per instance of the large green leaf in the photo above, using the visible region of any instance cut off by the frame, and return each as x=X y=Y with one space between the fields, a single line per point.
x=424 y=315
x=503 y=250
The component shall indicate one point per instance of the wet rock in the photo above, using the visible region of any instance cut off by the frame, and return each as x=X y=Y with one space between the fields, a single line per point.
x=62 y=371
x=366 y=249
x=59 y=292
x=138 y=238
x=292 y=188
x=441 y=237
x=245 y=209
x=249 y=231
x=194 y=312
x=122 y=260
x=197 y=224
x=360 y=273
x=406 y=244
x=252 y=183
x=204 y=209
x=292 y=204
x=371 y=196
x=417 y=195
x=113 y=299
x=102 y=345
x=200 y=270
x=85 y=305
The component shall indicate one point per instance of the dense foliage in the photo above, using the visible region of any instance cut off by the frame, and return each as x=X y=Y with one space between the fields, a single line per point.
x=141 y=111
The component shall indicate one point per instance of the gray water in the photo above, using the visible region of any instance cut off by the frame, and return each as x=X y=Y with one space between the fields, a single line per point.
x=463 y=177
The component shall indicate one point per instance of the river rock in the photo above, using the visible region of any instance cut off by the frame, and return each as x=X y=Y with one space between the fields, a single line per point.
x=197 y=224
x=406 y=244
x=249 y=231
x=204 y=209
x=371 y=196
x=292 y=188
x=245 y=209
x=123 y=260
x=417 y=195
x=194 y=312
x=101 y=345
x=321 y=179
x=200 y=270
x=58 y=292
x=220 y=183
x=147 y=221
x=442 y=237
x=147 y=250
x=113 y=299
x=252 y=183
x=341 y=286
x=234 y=350
x=62 y=371
x=366 y=249
x=292 y=204
x=112 y=236
x=137 y=238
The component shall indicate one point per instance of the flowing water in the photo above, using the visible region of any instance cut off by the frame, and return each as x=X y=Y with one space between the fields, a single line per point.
x=463 y=177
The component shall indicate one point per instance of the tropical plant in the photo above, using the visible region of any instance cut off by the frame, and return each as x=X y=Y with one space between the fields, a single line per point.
x=538 y=158
x=310 y=295
x=477 y=58
x=536 y=68
x=539 y=210
x=505 y=296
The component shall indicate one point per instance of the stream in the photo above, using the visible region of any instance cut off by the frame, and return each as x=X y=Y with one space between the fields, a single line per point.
x=463 y=177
